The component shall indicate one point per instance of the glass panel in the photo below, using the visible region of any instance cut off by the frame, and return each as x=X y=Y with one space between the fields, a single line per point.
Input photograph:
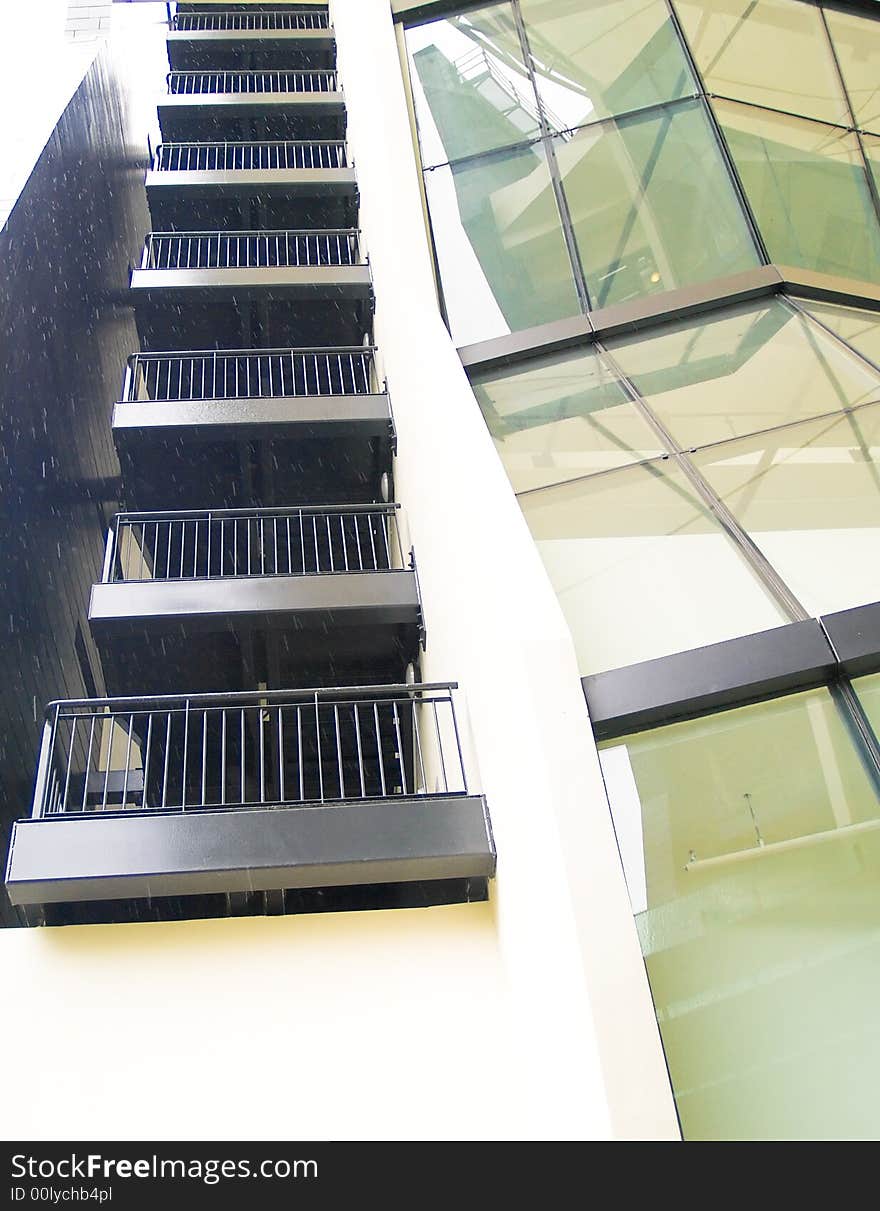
x=860 y=328
x=641 y=568
x=629 y=185
x=471 y=89
x=743 y=369
x=561 y=417
x=868 y=690
x=503 y=260
x=775 y=53
x=857 y=42
x=808 y=189
x=751 y=846
x=592 y=61
x=809 y=495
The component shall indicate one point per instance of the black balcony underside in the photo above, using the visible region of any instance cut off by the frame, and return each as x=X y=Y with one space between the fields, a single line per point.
x=251 y=49
x=250 y=116
x=288 y=198
x=185 y=467
x=261 y=317
x=101 y=857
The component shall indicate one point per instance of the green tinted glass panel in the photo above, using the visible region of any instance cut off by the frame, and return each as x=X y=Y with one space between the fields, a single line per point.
x=751 y=846
x=809 y=495
x=471 y=88
x=743 y=369
x=773 y=53
x=502 y=255
x=641 y=568
x=596 y=60
x=857 y=43
x=562 y=417
x=808 y=189
x=629 y=185
x=860 y=328
x=868 y=690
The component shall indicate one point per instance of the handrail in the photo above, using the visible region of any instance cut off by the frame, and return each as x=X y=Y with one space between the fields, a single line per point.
x=249 y=374
x=239 y=155
x=268 y=19
x=199 y=83
x=221 y=544
x=281 y=748
x=261 y=249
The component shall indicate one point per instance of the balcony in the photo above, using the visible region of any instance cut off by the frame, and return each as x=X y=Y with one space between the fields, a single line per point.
x=303 y=423
x=151 y=797
x=256 y=104
x=279 y=38
x=311 y=587
x=302 y=278
x=222 y=185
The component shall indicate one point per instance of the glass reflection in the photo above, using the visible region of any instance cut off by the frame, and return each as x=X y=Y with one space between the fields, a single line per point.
x=628 y=185
x=809 y=496
x=743 y=369
x=560 y=417
x=751 y=846
x=857 y=43
x=471 y=88
x=807 y=187
x=597 y=60
x=774 y=53
x=503 y=260
x=641 y=568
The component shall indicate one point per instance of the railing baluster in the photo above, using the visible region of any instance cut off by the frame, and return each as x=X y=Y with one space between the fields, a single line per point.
x=88 y=761
x=379 y=755
x=339 y=750
x=360 y=751
x=399 y=748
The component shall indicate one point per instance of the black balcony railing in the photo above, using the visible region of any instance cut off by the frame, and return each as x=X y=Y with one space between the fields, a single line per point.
x=249 y=374
x=214 y=544
x=232 y=157
x=279 y=19
x=250 y=249
x=197 y=83
x=276 y=748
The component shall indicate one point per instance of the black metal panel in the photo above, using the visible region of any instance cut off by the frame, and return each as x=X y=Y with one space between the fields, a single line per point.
x=307 y=416
x=103 y=857
x=251 y=49
x=788 y=658
x=252 y=116
x=64 y=338
x=299 y=281
x=855 y=635
x=337 y=598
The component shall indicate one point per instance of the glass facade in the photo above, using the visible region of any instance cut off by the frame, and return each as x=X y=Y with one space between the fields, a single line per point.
x=751 y=846
x=694 y=471
x=756 y=495
x=626 y=115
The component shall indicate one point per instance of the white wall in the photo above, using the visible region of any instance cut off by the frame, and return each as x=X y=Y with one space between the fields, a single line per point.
x=524 y=1018
x=564 y=923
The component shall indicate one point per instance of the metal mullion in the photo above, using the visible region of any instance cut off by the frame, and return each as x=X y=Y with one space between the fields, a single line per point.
x=565 y=219
x=795 y=302
x=739 y=189
x=756 y=559
x=856 y=722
